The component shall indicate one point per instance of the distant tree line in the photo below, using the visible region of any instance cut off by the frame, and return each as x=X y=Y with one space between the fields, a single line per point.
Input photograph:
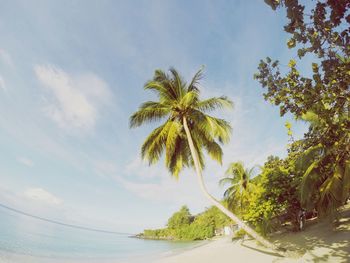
x=184 y=226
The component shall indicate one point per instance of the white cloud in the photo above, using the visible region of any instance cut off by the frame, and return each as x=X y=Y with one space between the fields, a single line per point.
x=155 y=184
x=105 y=168
x=42 y=196
x=6 y=58
x=2 y=84
x=168 y=191
x=139 y=168
x=76 y=99
x=25 y=161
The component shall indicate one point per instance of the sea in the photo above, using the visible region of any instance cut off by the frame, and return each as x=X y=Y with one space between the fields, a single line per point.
x=25 y=238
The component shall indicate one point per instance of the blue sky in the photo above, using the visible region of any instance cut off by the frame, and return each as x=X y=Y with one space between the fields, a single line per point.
x=71 y=74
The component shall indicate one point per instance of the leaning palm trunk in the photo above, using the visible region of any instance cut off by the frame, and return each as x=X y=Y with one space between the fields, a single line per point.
x=239 y=222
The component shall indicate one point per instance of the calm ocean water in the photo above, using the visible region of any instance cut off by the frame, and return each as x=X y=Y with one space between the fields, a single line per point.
x=26 y=239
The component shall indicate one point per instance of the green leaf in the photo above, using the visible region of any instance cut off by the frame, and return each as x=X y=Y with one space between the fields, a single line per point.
x=291 y=43
x=291 y=63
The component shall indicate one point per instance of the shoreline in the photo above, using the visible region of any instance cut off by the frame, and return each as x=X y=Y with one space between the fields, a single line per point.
x=319 y=242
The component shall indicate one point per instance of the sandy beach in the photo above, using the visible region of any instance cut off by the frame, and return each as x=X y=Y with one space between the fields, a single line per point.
x=320 y=242
x=224 y=250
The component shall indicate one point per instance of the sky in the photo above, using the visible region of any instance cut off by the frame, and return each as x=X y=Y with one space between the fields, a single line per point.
x=71 y=74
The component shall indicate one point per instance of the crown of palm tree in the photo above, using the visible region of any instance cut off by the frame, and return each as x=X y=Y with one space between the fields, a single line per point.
x=178 y=100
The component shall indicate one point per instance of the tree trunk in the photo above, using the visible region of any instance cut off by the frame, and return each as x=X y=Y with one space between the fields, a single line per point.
x=217 y=203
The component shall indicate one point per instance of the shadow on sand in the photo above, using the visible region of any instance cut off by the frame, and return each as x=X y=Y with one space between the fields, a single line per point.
x=323 y=242
x=261 y=250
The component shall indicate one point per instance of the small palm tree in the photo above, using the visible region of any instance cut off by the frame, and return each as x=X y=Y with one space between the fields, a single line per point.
x=187 y=130
x=238 y=181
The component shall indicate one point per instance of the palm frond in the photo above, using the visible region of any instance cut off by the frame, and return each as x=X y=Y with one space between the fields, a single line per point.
x=160 y=75
x=218 y=128
x=212 y=148
x=331 y=193
x=221 y=129
x=346 y=181
x=308 y=157
x=189 y=99
x=149 y=112
x=171 y=140
x=235 y=169
x=193 y=86
x=184 y=149
x=230 y=193
x=307 y=187
x=214 y=151
x=154 y=144
x=176 y=161
x=250 y=172
x=226 y=180
x=214 y=103
x=179 y=83
x=161 y=89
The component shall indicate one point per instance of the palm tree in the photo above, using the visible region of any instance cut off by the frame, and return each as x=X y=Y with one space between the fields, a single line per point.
x=326 y=172
x=187 y=130
x=238 y=178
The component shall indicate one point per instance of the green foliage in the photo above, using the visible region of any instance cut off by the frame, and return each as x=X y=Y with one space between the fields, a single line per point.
x=183 y=226
x=273 y=192
x=220 y=219
x=239 y=234
x=156 y=233
x=288 y=126
x=322 y=99
x=180 y=218
x=327 y=192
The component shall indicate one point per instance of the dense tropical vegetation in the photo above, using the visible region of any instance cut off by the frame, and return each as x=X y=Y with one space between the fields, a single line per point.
x=183 y=226
x=315 y=175
x=274 y=193
x=320 y=97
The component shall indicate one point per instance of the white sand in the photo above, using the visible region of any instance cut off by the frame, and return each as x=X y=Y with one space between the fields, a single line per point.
x=224 y=250
x=321 y=242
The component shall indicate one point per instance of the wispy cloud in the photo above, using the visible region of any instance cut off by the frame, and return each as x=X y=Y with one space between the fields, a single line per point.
x=140 y=169
x=168 y=190
x=42 y=196
x=105 y=168
x=6 y=58
x=2 y=84
x=154 y=183
x=75 y=99
x=25 y=161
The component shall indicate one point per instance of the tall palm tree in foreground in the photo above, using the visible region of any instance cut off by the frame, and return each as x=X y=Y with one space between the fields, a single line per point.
x=239 y=185
x=187 y=130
